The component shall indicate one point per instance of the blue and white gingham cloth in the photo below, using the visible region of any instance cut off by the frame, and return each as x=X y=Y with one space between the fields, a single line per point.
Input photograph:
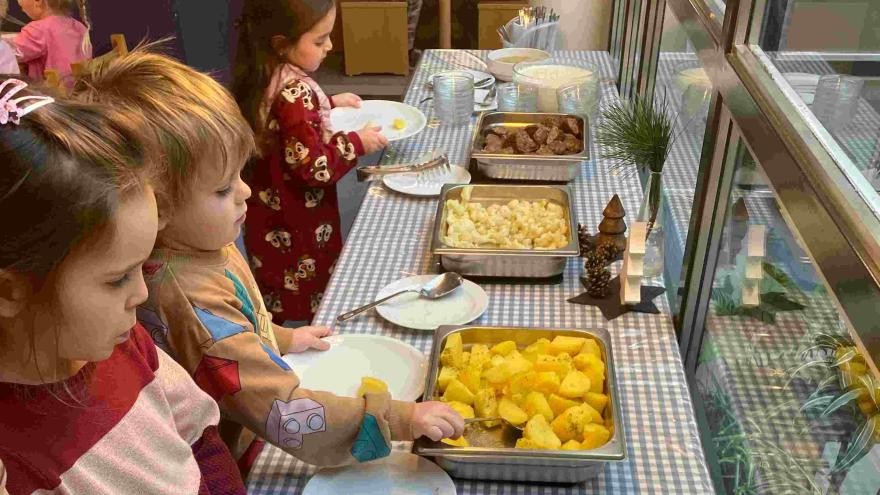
x=390 y=240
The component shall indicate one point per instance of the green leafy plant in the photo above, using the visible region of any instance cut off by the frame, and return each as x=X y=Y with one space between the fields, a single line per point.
x=844 y=382
x=637 y=132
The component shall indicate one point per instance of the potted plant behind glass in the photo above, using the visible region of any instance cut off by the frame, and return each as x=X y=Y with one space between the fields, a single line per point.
x=640 y=132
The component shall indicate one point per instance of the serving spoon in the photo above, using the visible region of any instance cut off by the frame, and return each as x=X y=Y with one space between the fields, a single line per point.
x=436 y=288
x=469 y=421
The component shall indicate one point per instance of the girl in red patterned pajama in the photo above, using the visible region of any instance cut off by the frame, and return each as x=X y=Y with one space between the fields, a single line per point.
x=292 y=229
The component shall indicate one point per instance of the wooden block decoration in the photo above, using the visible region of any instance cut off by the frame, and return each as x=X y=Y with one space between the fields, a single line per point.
x=491 y=15
x=753 y=251
x=633 y=259
x=613 y=226
x=375 y=37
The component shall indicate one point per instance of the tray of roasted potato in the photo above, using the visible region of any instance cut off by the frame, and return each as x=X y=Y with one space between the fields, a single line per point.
x=531 y=146
x=505 y=230
x=554 y=388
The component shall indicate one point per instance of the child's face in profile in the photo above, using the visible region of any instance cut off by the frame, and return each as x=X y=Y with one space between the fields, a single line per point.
x=313 y=46
x=96 y=289
x=211 y=215
x=33 y=8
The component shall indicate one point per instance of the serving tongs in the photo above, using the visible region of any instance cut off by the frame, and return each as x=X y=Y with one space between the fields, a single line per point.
x=435 y=167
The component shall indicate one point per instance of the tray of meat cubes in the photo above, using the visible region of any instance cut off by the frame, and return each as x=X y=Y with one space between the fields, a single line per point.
x=531 y=146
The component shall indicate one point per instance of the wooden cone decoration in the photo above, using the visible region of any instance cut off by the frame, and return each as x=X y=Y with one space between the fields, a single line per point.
x=613 y=226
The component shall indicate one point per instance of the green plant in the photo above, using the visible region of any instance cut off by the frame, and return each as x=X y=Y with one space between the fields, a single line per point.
x=637 y=132
x=844 y=382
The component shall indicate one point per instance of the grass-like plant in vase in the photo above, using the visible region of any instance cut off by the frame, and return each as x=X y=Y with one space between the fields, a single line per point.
x=639 y=134
x=845 y=381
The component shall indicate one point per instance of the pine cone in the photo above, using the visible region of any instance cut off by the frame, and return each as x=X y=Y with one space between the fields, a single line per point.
x=593 y=261
x=585 y=240
x=597 y=282
x=608 y=251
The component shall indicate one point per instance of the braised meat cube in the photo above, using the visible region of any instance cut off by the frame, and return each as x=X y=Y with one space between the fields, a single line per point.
x=553 y=121
x=572 y=143
x=571 y=125
x=544 y=150
x=558 y=147
x=508 y=151
x=555 y=134
x=524 y=142
x=494 y=140
x=541 y=134
x=500 y=131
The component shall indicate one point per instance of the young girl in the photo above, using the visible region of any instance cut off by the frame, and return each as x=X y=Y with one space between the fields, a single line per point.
x=54 y=40
x=301 y=159
x=87 y=403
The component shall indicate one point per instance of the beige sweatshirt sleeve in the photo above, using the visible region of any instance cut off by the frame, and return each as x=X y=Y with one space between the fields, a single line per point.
x=3 y=480
x=211 y=336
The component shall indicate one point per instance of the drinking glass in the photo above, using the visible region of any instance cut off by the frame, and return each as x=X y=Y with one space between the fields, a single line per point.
x=454 y=97
x=837 y=99
x=579 y=98
x=513 y=97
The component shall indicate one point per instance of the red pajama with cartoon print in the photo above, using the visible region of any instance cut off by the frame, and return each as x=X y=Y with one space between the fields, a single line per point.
x=292 y=230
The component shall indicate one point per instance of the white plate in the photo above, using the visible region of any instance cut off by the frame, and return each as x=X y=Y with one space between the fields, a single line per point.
x=464 y=305
x=353 y=356
x=407 y=184
x=401 y=473
x=478 y=76
x=380 y=112
x=479 y=96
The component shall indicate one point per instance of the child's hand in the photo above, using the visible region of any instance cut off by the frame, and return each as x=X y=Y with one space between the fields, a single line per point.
x=346 y=100
x=436 y=421
x=372 y=139
x=305 y=338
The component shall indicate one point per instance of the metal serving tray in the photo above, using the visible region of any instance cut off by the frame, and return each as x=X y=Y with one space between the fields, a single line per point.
x=497 y=459
x=552 y=168
x=525 y=263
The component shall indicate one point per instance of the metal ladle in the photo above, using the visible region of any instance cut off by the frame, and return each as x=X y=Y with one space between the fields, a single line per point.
x=469 y=421
x=436 y=288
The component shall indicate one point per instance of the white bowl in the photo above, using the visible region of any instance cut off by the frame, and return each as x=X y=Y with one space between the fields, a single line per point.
x=503 y=71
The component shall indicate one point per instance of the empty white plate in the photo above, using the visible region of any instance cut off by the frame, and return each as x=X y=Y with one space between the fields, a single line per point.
x=382 y=113
x=479 y=97
x=401 y=473
x=408 y=184
x=353 y=356
x=464 y=305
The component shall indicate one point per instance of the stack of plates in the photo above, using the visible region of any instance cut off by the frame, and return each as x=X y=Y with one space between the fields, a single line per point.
x=803 y=84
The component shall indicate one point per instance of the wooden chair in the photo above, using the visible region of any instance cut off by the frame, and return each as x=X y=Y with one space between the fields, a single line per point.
x=120 y=49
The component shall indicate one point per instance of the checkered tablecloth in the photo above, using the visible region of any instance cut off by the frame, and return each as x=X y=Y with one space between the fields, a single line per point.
x=390 y=240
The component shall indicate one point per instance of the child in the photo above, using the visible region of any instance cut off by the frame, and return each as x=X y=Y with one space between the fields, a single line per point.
x=204 y=303
x=53 y=40
x=294 y=216
x=8 y=62
x=87 y=403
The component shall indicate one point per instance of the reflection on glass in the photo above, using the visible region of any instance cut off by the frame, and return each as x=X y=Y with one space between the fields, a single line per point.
x=828 y=53
x=776 y=363
x=682 y=81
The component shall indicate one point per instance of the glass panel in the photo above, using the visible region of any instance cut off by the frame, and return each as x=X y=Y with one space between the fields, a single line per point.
x=826 y=56
x=683 y=83
x=775 y=359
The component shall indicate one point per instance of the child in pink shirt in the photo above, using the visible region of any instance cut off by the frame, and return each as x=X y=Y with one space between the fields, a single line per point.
x=53 y=40
x=8 y=63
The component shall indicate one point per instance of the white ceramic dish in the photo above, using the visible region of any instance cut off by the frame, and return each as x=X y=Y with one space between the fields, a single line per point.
x=503 y=71
x=401 y=473
x=353 y=356
x=479 y=97
x=407 y=184
x=465 y=305
x=380 y=112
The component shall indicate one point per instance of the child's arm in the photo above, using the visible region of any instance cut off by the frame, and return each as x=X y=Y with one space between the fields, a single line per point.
x=243 y=371
x=3 y=479
x=301 y=339
x=30 y=43
x=311 y=160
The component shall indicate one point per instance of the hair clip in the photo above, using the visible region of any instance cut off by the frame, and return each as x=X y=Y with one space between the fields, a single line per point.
x=10 y=111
